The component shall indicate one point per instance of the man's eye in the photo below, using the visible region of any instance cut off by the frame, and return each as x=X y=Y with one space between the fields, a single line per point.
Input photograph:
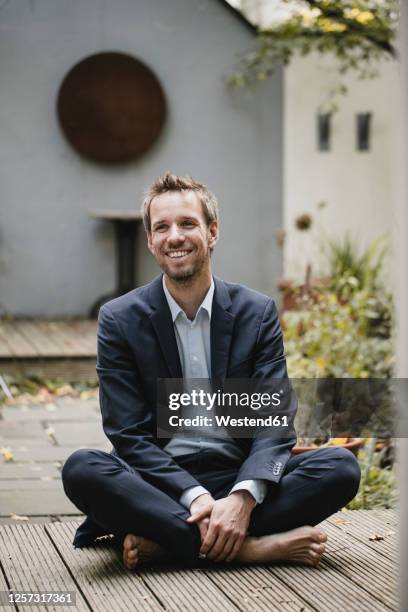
x=161 y=228
x=187 y=224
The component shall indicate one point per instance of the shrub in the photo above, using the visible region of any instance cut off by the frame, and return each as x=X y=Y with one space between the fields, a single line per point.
x=330 y=337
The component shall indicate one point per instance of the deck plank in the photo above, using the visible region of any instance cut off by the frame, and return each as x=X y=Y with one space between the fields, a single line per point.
x=5 y=348
x=365 y=524
x=44 y=343
x=26 y=338
x=186 y=590
x=100 y=574
x=176 y=590
x=324 y=588
x=254 y=588
x=352 y=577
x=70 y=341
x=360 y=564
x=84 y=333
x=64 y=368
x=31 y=563
x=16 y=340
x=66 y=345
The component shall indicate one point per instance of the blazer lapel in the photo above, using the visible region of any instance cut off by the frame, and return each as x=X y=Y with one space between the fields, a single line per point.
x=222 y=324
x=162 y=322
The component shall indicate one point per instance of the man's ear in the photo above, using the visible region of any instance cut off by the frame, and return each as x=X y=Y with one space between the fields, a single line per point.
x=149 y=243
x=213 y=233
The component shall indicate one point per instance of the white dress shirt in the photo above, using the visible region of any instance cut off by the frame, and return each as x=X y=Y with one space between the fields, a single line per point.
x=194 y=347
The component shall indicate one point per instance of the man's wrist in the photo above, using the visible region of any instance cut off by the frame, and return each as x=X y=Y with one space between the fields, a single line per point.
x=199 y=499
x=191 y=494
x=257 y=488
x=247 y=497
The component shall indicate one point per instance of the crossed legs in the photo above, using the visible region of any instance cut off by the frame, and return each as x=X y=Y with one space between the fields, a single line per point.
x=117 y=500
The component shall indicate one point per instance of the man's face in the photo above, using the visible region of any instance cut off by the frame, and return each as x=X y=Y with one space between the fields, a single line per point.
x=180 y=239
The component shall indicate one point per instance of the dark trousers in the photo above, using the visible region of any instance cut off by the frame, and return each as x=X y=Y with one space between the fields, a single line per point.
x=117 y=500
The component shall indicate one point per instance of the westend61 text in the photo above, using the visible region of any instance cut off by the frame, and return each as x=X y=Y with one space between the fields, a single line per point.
x=227 y=421
x=201 y=398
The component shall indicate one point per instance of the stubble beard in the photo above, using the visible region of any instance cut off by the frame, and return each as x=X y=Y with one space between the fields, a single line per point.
x=185 y=278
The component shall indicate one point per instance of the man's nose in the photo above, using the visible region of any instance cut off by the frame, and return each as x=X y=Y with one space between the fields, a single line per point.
x=176 y=234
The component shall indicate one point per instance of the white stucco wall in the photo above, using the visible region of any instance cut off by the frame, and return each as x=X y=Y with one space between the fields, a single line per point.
x=54 y=260
x=357 y=187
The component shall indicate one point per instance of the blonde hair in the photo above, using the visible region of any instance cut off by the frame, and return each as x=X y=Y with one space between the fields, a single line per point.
x=172 y=182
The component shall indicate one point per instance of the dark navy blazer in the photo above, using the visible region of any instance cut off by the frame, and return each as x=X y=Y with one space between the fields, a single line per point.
x=137 y=345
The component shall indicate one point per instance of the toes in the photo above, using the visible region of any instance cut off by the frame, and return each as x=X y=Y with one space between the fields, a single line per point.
x=318 y=548
x=131 y=560
x=314 y=557
x=129 y=542
x=307 y=559
x=130 y=553
x=319 y=535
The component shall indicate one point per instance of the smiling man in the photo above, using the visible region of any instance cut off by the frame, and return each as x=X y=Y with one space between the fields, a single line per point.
x=196 y=495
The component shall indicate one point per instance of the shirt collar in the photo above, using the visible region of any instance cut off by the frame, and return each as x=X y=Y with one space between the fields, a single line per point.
x=175 y=309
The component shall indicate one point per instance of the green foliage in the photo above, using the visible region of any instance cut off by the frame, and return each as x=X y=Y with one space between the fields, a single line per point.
x=358 y=33
x=334 y=339
x=343 y=327
x=349 y=270
x=378 y=487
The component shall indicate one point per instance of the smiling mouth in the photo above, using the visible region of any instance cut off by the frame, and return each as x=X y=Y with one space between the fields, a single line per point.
x=177 y=254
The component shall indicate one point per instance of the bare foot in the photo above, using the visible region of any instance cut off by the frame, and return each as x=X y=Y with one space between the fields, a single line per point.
x=302 y=545
x=140 y=550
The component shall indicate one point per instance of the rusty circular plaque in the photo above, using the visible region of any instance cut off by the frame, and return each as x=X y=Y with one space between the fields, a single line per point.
x=111 y=107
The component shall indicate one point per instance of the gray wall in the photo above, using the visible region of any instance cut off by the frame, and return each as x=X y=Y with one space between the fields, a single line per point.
x=54 y=260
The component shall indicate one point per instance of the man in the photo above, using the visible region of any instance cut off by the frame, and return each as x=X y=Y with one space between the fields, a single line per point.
x=195 y=495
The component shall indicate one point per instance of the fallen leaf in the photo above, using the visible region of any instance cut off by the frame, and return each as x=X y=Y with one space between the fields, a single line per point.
x=18 y=517
x=340 y=521
x=7 y=454
x=92 y=393
x=64 y=390
x=377 y=537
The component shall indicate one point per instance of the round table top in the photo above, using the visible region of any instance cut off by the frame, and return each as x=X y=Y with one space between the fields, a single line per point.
x=116 y=215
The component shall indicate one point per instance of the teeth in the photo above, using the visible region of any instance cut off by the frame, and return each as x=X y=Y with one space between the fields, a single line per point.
x=174 y=254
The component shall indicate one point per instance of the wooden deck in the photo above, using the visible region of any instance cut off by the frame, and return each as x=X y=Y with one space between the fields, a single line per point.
x=358 y=573
x=52 y=349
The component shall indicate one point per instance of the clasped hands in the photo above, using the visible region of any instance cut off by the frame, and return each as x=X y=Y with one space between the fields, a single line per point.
x=223 y=523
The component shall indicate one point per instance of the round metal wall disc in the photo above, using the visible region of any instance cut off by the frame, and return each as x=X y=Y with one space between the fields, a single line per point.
x=111 y=107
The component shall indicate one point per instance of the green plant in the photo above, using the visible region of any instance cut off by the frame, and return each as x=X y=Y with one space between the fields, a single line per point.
x=378 y=486
x=350 y=270
x=341 y=328
x=358 y=33
x=333 y=338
